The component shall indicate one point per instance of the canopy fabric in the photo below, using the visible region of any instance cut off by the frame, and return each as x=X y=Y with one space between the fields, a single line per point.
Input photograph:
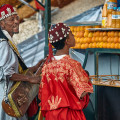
x=32 y=49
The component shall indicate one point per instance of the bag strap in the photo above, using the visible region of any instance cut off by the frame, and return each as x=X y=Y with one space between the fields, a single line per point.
x=3 y=38
x=24 y=67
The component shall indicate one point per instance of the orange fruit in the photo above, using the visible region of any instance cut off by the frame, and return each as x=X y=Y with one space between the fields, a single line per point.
x=85 y=40
x=72 y=28
x=108 y=45
x=81 y=40
x=116 y=34
x=116 y=39
x=104 y=33
x=89 y=40
x=75 y=29
x=90 y=34
x=81 y=34
x=119 y=34
x=96 y=39
x=93 y=45
x=77 y=40
x=105 y=39
x=112 y=34
x=78 y=28
x=109 y=34
x=110 y=39
x=79 y=46
x=94 y=34
x=97 y=45
x=97 y=34
x=119 y=40
x=93 y=39
x=101 y=34
x=119 y=46
x=86 y=34
x=77 y=34
x=75 y=46
x=116 y=45
x=112 y=45
x=104 y=45
x=101 y=45
x=90 y=45
x=83 y=46
x=82 y=28
x=74 y=33
x=100 y=39
x=86 y=45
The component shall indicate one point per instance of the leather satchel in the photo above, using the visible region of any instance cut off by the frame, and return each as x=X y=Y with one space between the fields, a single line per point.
x=20 y=97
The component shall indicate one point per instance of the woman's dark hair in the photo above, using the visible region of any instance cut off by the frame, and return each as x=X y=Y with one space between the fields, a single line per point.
x=60 y=44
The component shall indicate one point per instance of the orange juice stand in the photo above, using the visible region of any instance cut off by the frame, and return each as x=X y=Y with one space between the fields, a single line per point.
x=94 y=39
x=90 y=38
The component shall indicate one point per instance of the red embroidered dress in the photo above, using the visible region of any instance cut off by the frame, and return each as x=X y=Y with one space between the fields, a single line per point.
x=63 y=82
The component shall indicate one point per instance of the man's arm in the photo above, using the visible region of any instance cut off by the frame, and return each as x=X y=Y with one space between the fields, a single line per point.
x=35 y=68
x=20 y=77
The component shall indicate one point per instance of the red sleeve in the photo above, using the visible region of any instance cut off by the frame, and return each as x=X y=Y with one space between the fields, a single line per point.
x=85 y=101
x=32 y=110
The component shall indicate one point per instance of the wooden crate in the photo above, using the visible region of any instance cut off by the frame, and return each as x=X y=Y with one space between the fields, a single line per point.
x=60 y=3
x=11 y=2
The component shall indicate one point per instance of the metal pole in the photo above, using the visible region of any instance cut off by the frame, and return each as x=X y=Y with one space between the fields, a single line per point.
x=47 y=24
x=96 y=90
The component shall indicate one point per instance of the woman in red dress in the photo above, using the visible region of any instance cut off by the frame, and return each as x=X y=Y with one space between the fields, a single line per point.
x=65 y=85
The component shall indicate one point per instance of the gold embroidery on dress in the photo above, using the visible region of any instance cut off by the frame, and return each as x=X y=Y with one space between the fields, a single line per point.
x=73 y=70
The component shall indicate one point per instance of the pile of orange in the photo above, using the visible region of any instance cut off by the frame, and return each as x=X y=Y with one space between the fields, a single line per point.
x=97 y=39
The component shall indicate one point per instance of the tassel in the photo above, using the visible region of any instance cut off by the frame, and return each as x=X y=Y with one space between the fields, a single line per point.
x=50 y=56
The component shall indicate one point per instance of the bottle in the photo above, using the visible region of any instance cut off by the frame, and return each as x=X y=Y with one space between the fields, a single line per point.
x=113 y=23
x=118 y=18
x=110 y=7
x=104 y=15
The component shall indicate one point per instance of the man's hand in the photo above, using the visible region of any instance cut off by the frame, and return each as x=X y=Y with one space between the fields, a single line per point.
x=35 y=79
x=36 y=67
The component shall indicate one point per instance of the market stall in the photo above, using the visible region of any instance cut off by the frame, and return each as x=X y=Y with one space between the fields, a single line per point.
x=102 y=41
